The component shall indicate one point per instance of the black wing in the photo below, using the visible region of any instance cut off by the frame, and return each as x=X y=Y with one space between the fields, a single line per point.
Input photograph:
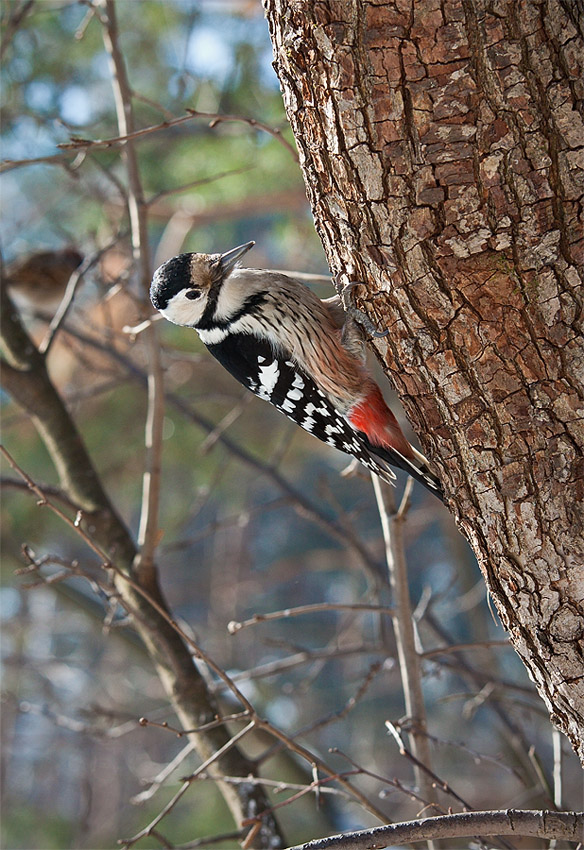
x=277 y=379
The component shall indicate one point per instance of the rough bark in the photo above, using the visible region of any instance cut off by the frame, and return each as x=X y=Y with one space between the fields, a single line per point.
x=441 y=144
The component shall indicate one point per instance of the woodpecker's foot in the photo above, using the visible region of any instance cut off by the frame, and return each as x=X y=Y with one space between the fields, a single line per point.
x=346 y=294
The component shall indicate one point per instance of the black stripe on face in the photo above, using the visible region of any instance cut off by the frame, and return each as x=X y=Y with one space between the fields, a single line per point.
x=250 y=307
x=206 y=322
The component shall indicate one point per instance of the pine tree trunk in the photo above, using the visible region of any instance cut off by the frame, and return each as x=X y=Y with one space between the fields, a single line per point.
x=441 y=144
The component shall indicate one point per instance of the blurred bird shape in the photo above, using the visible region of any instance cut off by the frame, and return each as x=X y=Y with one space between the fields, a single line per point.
x=38 y=281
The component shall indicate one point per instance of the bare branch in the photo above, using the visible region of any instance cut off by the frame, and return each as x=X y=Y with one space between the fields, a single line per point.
x=394 y=783
x=435 y=780
x=26 y=378
x=209 y=840
x=49 y=490
x=409 y=659
x=163 y=775
x=260 y=723
x=148 y=534
x=463 y=647
x=65 y=160
x=16 y=19
x=272 y=668
x=235 y=626
x=518 y=822
x=85 y=145
x=148 y=830
x=214 y=119
x=218 y=753
x=69 y=295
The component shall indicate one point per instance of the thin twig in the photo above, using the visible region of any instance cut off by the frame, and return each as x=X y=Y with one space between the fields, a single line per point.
x=280 y=785
x=69 y=295
x=463 y=647
x=180 y=733
x=385 y=780
x=272 y=131
x=225 y=423
x=272 y=668
x=157 y=781
x=209 y=840
x=147 y=830
x=202 y=181
x=16 y=19
x=221 y=751
x=168 y=769
x=333 y=717
x=240 y=519
x=198 y=652
x=435 y=780
x=48 y=489
x=84 y=145
x=43 y=501
x=476 y=755
x=214 y=119
x=235 y=626
x=409 y=659
x=65 y=160
x=148 y=534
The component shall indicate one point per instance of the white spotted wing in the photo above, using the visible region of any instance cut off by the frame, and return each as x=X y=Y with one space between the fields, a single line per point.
x=277 y=379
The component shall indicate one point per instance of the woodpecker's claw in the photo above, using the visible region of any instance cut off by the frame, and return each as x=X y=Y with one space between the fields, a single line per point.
x=346 y=294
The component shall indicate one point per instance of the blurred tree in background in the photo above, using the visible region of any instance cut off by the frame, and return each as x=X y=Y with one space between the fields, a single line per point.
x=253 y=516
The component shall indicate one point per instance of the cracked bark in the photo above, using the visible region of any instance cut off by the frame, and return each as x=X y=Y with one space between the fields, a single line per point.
x=442 y=148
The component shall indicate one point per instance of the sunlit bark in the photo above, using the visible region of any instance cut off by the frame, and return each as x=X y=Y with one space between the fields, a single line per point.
x=441 y=145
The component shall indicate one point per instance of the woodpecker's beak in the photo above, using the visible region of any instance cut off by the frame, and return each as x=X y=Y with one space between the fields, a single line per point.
x=229 y=259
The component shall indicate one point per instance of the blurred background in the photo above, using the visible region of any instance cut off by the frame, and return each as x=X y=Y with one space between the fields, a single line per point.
x=251 y=506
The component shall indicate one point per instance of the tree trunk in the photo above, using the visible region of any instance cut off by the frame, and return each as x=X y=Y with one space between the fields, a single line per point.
x=441 y=145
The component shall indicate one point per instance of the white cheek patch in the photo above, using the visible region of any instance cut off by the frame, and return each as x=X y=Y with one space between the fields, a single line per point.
x=180 y=310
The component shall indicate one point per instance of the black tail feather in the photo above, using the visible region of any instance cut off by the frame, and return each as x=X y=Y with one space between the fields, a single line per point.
x=420 y=473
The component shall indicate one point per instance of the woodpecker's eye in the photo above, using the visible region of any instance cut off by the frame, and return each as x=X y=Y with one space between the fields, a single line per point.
x=193 y=294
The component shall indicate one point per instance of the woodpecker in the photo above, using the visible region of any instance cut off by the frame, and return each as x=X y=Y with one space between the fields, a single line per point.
x=301 y=353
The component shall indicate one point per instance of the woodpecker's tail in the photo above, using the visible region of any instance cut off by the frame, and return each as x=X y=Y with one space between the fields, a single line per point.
x=385 y=441
x=417 y=467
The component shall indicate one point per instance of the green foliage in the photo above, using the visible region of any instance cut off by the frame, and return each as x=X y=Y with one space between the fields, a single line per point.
x=24 y=826
x=57 y=84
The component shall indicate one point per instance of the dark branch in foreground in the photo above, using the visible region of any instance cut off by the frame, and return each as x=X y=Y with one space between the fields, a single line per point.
x=519 y=822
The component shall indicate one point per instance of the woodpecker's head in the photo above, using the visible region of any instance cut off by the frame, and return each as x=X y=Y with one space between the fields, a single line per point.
x=185 y=286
